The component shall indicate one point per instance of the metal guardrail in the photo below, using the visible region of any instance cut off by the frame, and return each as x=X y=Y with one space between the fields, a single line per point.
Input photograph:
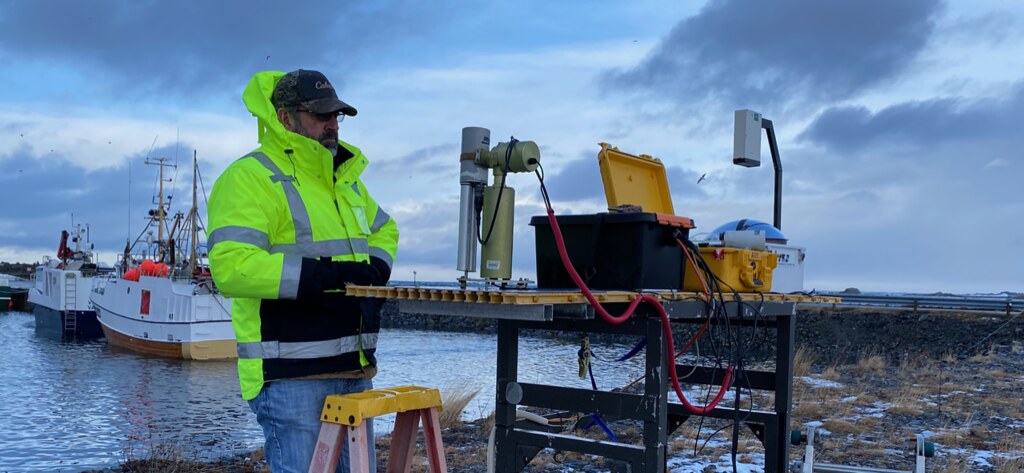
x=1006 y=304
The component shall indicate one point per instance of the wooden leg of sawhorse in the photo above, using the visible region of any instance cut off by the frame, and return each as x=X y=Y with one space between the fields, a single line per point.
x=403 y=441
x=329 y=446
x=403 y=444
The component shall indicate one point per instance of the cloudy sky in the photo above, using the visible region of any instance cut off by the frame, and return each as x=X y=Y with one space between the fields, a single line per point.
x=899 y=123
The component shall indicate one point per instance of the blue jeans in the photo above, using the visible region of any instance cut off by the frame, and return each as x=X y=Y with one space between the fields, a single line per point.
x=289 y=412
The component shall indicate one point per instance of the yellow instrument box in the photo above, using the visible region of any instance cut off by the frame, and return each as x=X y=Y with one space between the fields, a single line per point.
x=738 y=269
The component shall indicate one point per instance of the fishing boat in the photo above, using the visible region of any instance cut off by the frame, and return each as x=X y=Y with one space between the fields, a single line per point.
x=5 y=294
x=161 y=299
x=60 y=295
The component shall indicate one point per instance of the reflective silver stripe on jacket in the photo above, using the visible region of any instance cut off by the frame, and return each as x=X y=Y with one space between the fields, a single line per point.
x=384 y=255
x=300 y=218
x=304 y=245
x=379 y=221
x=306 y=350
x=291 y=272
x=239 y=234
x=316 y=249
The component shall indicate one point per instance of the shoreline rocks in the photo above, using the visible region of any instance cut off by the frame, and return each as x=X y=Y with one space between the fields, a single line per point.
x=833 y=333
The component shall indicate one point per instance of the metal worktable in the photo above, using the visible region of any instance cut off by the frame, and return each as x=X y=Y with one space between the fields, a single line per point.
x=516 y=445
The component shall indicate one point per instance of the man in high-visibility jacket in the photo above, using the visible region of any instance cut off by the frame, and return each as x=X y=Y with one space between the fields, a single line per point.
x=290 y=225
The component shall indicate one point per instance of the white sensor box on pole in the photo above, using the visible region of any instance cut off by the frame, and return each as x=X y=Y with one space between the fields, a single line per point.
x=746 y=144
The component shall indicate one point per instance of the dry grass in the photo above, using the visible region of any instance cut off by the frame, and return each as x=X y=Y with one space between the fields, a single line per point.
x=997 y=373
x=841 y=426
x=803 y=360
x=181 y=458
x=912 y=362
x=454 y=399
x=983 y=357
x=488 y=424
x=1015 y=465
x=971 y=404
x=870 y=361
x=831 y=374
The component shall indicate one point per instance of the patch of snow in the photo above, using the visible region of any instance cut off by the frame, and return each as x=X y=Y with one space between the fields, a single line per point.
x=684 y=464
x=982 y=457
x=848 y=399
x=876 y=410
x=820 y=383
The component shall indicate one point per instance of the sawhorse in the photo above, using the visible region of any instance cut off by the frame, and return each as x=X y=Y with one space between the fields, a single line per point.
x=344 y=418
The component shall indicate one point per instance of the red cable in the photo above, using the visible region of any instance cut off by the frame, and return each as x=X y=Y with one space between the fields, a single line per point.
x=666 y=326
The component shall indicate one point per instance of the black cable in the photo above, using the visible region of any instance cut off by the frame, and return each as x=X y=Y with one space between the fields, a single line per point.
x=497 y=202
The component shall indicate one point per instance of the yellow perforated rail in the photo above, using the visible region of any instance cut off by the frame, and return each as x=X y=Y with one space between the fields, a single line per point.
x=527 y=297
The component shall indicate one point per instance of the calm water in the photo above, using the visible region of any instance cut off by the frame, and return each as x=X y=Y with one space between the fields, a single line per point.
x=71 y=405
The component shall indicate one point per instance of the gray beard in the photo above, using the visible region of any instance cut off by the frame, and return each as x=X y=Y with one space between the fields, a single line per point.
x=304 y=132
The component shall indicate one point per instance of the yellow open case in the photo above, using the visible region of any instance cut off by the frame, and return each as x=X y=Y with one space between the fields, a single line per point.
x=631 y=180
x=640 y=180
x=634 y=180
x=739 y=269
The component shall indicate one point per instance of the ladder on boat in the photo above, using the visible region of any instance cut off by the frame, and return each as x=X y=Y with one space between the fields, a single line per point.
x=70 y=303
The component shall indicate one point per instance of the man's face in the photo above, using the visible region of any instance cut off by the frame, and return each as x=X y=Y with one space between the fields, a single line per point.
x=322 y=127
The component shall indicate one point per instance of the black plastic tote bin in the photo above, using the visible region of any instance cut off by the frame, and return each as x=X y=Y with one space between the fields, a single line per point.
x=611 y=251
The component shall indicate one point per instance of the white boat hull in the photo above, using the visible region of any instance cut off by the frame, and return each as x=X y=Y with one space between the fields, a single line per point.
x=59 y=294
x=158 y=316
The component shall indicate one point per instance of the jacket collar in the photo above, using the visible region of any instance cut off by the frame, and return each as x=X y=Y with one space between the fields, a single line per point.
x=307 y=157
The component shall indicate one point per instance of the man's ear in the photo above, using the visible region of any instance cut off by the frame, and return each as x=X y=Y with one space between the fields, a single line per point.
x=286 y=119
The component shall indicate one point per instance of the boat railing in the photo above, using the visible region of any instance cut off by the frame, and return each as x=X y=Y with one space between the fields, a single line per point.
x=99 y=283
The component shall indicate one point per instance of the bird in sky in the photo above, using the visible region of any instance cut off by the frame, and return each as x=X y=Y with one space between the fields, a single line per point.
x=702 y=176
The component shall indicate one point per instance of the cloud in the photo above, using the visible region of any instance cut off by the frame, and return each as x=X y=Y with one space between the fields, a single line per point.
x=578 y=179
x=919 y=124
x=908 y=191
x=767 y=54
x=91 y=138
x=434 y=161
x=996 y=26
x=51 y=191
x=193 y=48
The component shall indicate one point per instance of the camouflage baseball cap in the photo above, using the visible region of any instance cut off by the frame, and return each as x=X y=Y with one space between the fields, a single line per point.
x=310 y=90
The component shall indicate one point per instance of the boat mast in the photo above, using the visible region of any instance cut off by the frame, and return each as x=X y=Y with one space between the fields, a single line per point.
x=193 y=217
x=160 y=213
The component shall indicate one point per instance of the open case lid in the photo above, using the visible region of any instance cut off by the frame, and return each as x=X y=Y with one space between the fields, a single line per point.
x=634 y=180
x=639 y=181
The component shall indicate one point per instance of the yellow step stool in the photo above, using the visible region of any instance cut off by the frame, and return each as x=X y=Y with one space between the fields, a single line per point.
x=343 y=417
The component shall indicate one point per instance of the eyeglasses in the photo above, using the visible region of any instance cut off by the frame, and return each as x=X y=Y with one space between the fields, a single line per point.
x=324 y=117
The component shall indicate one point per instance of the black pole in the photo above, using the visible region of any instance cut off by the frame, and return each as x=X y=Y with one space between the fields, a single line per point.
x=777 y=162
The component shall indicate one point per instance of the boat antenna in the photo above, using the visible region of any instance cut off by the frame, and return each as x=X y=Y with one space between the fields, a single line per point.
x=174 y=180
x=129 y=235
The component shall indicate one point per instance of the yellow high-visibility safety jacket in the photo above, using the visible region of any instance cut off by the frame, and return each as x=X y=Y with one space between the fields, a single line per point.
x=272 y=215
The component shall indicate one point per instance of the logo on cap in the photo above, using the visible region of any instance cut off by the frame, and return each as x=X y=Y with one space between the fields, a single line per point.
x=323 y=85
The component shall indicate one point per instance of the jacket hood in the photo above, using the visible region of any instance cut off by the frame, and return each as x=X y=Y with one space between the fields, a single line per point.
x=257 y=99
x=272 y=134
